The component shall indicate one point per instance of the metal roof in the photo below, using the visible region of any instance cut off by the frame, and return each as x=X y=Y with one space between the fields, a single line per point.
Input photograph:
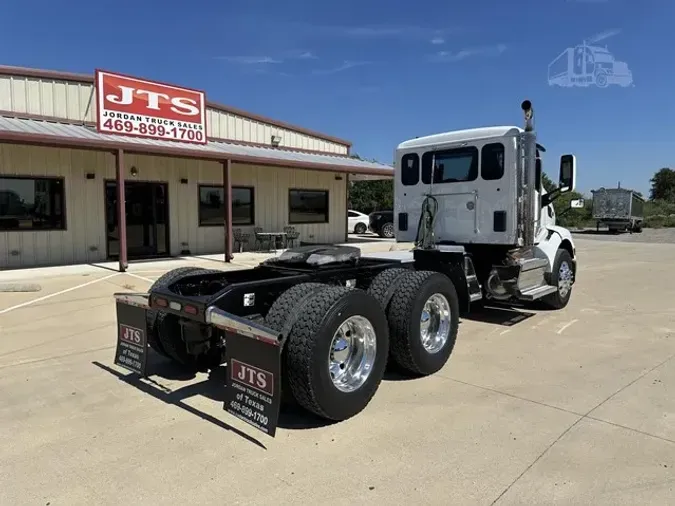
x=470 y=134
x=35 y=131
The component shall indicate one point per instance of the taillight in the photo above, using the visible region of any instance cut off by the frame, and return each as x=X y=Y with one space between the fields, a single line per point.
x=190 y=310
x=161 y=302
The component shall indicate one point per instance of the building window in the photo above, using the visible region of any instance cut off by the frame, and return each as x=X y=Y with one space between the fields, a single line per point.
x=492 y=161
x=452 y=165
x=410 y=169
x=307 y=206
x=32 y=203
x=212 y=206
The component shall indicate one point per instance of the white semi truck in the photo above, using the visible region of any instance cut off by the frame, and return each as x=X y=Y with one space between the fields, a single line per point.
x=318 y=325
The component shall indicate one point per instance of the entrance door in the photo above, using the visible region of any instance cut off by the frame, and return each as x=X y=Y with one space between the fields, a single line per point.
x=146 y=218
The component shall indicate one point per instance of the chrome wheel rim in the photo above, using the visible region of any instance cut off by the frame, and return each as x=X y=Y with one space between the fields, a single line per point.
x=435 y=323
x=352 y=354
x=388 y=230
x=565 y=279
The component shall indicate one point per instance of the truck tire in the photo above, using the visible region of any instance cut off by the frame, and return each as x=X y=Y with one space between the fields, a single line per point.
x=285 y=307
x=383 y=286
x=430 y=296
x=562 y=276
x=152 y=315
x=337 y=352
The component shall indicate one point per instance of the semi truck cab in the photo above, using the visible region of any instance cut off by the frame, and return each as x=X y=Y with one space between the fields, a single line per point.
x=481 y=189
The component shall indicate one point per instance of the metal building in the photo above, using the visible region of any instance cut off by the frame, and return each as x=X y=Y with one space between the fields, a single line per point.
x=63 y=177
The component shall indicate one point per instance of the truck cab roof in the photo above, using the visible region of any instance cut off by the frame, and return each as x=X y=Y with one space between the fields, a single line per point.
x=470 y=134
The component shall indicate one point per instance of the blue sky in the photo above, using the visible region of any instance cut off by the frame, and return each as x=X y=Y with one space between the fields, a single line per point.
x=379 y=72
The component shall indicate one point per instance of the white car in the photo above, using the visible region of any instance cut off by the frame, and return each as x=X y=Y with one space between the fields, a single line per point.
x=357 y=222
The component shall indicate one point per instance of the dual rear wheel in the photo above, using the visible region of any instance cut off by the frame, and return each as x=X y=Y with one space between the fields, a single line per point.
x=340 y=339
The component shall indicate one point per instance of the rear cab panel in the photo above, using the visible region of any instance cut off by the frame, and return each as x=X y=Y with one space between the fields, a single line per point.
x=475 y=185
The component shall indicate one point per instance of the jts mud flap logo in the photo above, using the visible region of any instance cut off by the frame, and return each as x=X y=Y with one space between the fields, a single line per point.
x=258 y=379
x=131 y=335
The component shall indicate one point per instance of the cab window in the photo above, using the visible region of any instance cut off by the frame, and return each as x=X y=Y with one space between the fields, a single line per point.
x=492 y=161
x=451 y=165
x=410 y=169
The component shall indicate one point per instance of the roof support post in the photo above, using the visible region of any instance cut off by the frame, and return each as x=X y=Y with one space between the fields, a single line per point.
x=121 y=211
x=227 y=217
x=347 y=187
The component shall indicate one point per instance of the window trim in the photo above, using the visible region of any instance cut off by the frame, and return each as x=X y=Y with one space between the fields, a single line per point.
x=222 y=224
x=503 y=160
x=64 y=209
x=316 y=190
x=450 y=150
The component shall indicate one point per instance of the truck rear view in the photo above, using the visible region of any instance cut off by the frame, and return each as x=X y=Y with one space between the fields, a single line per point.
x=618 y=209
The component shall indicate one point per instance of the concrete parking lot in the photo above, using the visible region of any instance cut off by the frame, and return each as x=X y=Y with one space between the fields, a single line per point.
x=567 y=407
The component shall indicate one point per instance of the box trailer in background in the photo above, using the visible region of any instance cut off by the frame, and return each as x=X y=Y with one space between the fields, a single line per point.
x=619 y=209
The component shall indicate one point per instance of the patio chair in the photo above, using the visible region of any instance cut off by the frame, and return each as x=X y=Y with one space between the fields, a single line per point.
x=240 y=239
x=291 y=236
x=261 y=240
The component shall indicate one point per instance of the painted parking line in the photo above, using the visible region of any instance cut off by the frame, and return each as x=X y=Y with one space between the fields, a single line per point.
x=566 y=326
x=140 y=277
x=61 y=292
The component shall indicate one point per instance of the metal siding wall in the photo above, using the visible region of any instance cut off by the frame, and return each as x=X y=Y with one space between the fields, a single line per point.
x=70 y=100
x=224 y=125
x=271 y=200
x=185 y=233
x=59 y=99
x=84 y=239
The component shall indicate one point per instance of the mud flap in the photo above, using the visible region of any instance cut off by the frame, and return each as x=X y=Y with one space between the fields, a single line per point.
x=253 y=392
x=132 y=337
x=253 y=376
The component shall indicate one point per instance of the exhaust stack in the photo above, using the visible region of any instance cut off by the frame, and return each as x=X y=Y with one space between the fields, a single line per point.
x=528 y=178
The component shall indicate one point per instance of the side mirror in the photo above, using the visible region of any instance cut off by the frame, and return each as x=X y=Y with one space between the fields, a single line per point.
x=577 y=204
x=568 y=173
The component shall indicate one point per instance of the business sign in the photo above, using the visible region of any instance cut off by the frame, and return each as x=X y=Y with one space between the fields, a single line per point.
x=141 y=108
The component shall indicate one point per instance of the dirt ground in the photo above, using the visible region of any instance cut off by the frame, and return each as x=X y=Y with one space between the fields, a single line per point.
x=651 y=235
x=566 y=407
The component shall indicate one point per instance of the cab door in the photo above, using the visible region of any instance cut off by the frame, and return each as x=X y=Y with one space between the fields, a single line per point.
x=497 y=187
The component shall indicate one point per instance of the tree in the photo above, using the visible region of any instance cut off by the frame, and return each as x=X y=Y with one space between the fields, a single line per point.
x=565 y=216
x=369 y=196
x=547 y=183
x=663 y=185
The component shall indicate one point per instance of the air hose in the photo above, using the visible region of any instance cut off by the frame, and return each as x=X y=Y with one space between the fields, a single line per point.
x=425 y=229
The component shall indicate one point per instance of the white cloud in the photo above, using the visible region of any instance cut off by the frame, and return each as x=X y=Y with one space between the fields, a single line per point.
x=300 y=55
x=250 y=60
x=376 y=31
x=384 y=32
x=307 y=55
x=341 y=68
x=438 y=41
x=448 y=56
